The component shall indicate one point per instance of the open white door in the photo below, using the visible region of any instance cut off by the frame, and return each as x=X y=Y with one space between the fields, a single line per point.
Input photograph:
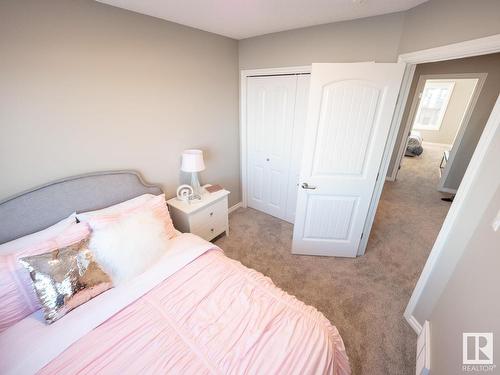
x=348 y=121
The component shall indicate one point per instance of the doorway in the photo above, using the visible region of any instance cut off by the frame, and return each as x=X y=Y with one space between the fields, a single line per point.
x=437 y=120
x=473 y=137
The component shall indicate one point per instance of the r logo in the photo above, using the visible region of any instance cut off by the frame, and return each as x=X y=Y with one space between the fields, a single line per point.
x=477 y=348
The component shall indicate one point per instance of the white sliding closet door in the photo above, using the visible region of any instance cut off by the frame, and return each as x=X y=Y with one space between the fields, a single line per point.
x=272 y=105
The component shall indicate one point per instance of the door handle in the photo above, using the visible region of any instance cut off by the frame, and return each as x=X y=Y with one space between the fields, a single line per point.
x=305 y=185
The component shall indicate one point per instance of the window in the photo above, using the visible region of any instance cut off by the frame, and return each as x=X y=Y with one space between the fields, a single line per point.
x=433 y=103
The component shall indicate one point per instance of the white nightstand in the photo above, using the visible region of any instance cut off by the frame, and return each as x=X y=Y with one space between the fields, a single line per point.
x=206 y=218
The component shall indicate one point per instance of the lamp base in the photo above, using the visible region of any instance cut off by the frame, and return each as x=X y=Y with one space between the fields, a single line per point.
x=195 y=184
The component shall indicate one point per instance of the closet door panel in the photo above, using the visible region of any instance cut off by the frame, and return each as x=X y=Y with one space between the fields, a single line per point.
x=256 y=103
x=270 y=111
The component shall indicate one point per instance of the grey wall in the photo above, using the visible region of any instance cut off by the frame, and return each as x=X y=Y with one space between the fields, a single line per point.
x=480 y=64
x=381 y=38
x=87 y=87
x=367 y=39
x=468 y=240
x=440 y=22
x=469 y=302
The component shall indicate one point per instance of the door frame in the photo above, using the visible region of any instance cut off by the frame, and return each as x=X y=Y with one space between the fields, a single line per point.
x=481 y=77
x=469 y=48
x=444 y=270
x=244 y=74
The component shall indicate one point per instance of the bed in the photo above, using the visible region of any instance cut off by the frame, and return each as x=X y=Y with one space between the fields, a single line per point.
x=194 y=312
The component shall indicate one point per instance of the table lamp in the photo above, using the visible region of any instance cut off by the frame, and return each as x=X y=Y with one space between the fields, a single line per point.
x=192 y=161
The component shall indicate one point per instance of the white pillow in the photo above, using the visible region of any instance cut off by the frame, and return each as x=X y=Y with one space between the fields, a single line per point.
x=127 y=246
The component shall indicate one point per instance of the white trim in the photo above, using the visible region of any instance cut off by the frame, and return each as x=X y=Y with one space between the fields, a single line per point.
x=413 y=322
x=243 y=137
x=474 y=47
x=447 y=190
x=409 y=121
x=234 y=208
x=244 y=74
x=303 y=69
x=398 y=117
x=448 y=230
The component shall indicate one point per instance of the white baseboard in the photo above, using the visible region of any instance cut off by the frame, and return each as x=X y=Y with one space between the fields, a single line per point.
x=447 y=190
x=235 y=207
x=417 y=327
x=390 y=178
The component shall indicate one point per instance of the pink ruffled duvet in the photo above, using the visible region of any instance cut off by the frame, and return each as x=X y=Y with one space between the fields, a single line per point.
x=213 y=316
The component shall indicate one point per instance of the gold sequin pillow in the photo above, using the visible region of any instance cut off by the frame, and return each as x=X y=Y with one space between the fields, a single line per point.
x=66 y=278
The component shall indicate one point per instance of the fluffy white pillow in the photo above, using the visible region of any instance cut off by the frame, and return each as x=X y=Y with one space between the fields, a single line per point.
x=127 y=246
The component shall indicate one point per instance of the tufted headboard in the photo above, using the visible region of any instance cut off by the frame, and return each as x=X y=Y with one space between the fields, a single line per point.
x=38 y=208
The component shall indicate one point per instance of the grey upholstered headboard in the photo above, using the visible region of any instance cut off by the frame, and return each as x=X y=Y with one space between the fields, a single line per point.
x=44 y=206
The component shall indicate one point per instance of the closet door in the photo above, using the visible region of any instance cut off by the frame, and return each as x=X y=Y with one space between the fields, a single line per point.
x=270 y=113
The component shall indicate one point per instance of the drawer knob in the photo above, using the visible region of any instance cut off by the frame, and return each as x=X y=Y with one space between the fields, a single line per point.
x=211 y=214
x=212 y=230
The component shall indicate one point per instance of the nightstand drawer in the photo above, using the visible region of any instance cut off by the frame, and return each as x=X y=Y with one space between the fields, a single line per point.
x=210 y=229
x=216 y=212
x=207 y=218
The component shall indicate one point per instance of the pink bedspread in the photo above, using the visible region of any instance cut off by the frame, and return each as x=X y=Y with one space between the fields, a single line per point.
x=214 y=316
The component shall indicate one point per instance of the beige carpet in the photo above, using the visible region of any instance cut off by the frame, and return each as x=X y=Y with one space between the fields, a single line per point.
x=364 y=297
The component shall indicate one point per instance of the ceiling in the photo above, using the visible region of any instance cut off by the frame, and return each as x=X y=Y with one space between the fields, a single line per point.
x=241 y=19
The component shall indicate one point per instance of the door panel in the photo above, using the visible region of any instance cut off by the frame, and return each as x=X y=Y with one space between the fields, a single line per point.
x=349 y=116
x=345 y=123
x=270 y=108
x=257 y=183
x=325 y=217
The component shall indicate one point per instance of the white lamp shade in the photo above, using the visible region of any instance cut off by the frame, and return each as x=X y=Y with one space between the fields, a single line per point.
x=192 y=161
